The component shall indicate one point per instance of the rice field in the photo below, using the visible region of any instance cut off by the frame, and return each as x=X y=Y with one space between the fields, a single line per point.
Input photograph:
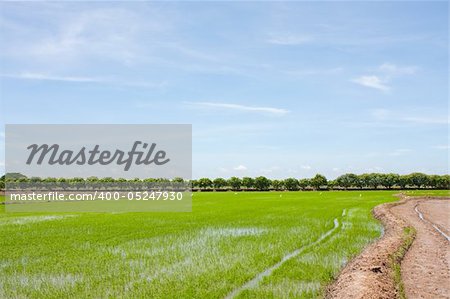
x=427 y=193
x=232 y=245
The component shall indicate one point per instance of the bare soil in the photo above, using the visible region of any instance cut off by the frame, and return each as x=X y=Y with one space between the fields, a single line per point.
x=440 y=211
x=425 y=268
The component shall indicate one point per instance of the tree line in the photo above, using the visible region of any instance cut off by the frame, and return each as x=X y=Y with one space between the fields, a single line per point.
x=320 y=182
x=347 y=181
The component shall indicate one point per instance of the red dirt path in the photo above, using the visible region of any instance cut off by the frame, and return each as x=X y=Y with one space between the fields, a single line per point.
x=425 y=268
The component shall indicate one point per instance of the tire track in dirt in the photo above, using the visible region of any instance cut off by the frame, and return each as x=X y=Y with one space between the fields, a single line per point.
x=425 y=267
x=436 y=227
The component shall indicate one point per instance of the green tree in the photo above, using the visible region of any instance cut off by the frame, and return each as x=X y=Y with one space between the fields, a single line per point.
x=49 y=183
x=389 y=180
x=92 y=179
x=12 y=176
x=35 y=179
x=291 y=184
x=35 y=182
x=318 y=181
x=248 y=182
x=371 y=180
x=443 y=182
x=162 y=180
x=262 y=183
x=178 y=180
x=122 y=183
x=178 y=184
x=332 y=184
x=219 y=183
x=235 y=183
x=50 y=180
x=106 y=182
x=348 y=180
x=205 y=183
x=356 y=181
x=364 y=179
x=2 y=182
x=194 y=183
x=77 y=183
x=418 y=179
x=403 y=181
x=277 y=185
x=62 y=183
x=304 y=183
x=433 y=181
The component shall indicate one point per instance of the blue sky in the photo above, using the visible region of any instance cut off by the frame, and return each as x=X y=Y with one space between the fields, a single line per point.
x=282 y=89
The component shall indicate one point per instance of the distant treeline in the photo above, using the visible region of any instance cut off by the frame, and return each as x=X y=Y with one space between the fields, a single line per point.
x=318 y=182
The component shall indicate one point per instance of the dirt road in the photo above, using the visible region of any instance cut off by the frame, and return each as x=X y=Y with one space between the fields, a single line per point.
x=425 y=268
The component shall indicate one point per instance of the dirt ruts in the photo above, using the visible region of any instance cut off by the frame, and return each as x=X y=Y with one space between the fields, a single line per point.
x=425 y=268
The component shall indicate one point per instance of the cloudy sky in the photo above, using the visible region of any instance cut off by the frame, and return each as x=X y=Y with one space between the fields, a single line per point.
x=271 y=88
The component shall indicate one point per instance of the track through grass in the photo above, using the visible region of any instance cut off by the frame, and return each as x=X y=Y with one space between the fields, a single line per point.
x=226 y=241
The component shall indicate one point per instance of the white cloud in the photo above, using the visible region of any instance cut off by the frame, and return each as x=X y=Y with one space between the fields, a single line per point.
x=306 y=167
x=74 y=36
x=288 y=39
x=372 y=82
x=45 y=77
x=385 y=73
x=270 y=110
x=78 y=79
x=106 y=33
x=240 y=168
x=335 y=169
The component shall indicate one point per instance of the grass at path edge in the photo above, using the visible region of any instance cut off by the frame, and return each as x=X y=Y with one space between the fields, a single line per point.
x=396 y=258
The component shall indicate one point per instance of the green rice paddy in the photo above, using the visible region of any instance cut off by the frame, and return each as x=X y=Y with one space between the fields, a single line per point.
x=226 y=241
